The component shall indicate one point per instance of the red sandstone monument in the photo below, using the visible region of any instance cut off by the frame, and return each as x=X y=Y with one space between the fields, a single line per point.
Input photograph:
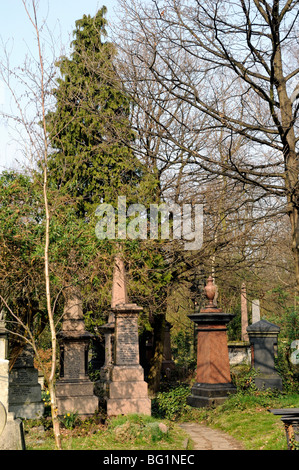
x=213 y=379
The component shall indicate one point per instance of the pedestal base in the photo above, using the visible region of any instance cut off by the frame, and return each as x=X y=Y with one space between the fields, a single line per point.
x=125 y=392
x=203 y=395
x=272 y=381
x=75 y=397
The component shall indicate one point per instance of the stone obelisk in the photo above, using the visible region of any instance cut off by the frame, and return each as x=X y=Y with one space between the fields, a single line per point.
x=126 y=391
x=244 y=313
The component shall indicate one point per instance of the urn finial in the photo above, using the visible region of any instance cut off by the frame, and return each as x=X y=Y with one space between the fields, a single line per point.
x=210 y=290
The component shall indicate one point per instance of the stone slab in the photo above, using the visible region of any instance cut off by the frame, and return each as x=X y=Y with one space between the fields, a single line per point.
x=24 y=394
x=12 y=437
x=126 y=339
x=27 y=410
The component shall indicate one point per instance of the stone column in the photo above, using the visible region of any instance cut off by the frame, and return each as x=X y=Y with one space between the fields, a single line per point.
x=244 y=313
x=213 y=379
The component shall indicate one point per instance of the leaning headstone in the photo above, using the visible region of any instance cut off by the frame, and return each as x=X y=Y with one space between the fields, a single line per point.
x=255 y=311
x=11 y=429
x=126 y=391
x=74 y=389
x=25 y=399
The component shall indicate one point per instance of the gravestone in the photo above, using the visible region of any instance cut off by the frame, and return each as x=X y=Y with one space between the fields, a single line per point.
x=255 y=311
x=25 y=399
x=11 y=429
x=74 y=389
x=213 y=379
x=123 y=389
x=263 y=337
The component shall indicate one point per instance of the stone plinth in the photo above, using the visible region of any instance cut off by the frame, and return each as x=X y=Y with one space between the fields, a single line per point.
x=263 y=337
x=74 y=389
x=213 y=379
x=122 y=389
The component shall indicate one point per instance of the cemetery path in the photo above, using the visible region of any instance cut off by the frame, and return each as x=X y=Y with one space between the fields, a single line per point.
x=205 y=438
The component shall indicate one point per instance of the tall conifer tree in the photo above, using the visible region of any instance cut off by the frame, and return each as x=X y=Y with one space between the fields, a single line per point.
x=90 y=129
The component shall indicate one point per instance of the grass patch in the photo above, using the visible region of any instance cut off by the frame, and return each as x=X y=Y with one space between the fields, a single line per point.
x=247 y=419
x=134 y=432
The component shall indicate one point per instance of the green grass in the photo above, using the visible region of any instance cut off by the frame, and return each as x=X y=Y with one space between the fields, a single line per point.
x=247 y=419
x=244 y=416
x=135 y=432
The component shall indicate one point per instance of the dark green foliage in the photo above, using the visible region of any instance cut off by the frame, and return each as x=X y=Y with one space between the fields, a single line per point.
x=171 y=404
x=21 y=256
x=90 y=129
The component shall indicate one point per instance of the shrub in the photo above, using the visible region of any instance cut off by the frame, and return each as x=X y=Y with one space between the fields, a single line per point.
x=172 y=404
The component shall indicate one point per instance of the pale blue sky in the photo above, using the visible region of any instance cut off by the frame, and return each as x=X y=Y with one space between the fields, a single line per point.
x=17 y=33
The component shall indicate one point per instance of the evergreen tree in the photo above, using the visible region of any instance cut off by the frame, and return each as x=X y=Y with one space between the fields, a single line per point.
x=90 y=129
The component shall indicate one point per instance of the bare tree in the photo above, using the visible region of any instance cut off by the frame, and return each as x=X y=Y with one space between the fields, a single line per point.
x=234 y=67
x=37 y=84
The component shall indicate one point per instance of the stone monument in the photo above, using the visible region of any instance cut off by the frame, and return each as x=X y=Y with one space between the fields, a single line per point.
x=122 y=387
x=213 y=379
x=74 y=389
x=11 y=429
x=25 y=399
x=244 y=313
x=263 y=337
x=255 y=311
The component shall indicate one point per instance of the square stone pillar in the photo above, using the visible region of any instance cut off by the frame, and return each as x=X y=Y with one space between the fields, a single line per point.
x=122 y=387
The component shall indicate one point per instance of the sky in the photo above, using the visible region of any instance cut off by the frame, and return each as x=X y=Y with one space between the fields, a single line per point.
x=16 y=32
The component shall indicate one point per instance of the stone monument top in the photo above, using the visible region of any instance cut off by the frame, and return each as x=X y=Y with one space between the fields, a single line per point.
x=120 y=299
x=210 y=291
